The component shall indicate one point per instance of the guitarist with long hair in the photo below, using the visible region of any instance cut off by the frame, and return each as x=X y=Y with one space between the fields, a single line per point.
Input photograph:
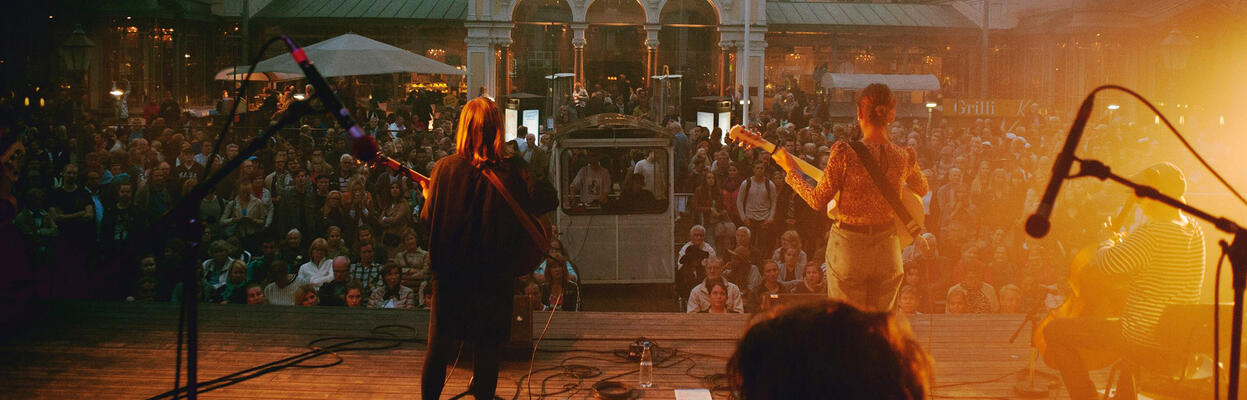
x=863 y=248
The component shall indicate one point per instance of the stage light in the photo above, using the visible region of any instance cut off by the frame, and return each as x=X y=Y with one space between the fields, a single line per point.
x=1113 y=107
x=931 y=105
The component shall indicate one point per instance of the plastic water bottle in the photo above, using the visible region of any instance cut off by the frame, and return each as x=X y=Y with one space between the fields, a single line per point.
x=647 y=367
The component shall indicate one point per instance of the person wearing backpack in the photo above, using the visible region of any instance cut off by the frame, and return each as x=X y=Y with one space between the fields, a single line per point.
x=756 y=202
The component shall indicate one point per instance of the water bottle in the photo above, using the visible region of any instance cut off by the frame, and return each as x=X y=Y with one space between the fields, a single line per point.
x=647 y=367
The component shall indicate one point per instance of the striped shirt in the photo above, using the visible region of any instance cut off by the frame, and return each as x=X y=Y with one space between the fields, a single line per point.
x=1165 y=263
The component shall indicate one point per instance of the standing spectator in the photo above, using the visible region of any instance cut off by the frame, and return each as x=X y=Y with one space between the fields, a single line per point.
x=296 y=207
x=396 y=216
x=74 y=214
x=699 y=297
x=244 y=215
x=592 y=183
x=756 y=202
x=38 y=226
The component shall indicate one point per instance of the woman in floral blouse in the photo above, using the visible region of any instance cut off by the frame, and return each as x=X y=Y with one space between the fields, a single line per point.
x=863 y=251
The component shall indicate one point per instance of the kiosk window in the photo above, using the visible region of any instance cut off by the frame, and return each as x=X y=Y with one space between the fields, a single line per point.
x=615 y=180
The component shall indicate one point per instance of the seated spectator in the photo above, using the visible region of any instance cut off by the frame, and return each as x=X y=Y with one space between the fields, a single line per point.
x=533 y=291
x=718 y=299
x=980 y=296
x=234 y=289
x=699 y=297
x=319 y=269
x=292 y=249
x=306 y=296
x=740 y=270
x=336 y=245
x=393 y=294
x=560 y=291
x=956 y=303
x=257 y=268
x=354 y=296
x=367 y=271
x=1011 y=299
x=768 y=285
x=244 y=216
x=216 y=268
x=280 y=290
x=690 y=268
x=907 y=301
x=255 y=294
x=812 y=281
x=333 y=293
x=860 y=354
x=555 y=257
x=412 y=260
x=791 y=269
x=789 y=240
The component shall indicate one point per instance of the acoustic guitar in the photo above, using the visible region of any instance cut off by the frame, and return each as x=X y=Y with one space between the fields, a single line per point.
x=910 y=200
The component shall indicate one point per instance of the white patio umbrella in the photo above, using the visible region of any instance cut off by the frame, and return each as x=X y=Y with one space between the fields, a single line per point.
x=352 y=55
x=240 y=73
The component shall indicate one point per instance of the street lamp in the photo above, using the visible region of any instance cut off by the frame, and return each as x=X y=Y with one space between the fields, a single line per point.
x=930 y=110
x=74 y=50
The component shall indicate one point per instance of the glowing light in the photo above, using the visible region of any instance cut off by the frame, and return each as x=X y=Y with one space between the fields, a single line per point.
x=1182 y=120
x=932 y=105
x=299 y=96
x=41 y=103
x=116 y=92
x=1156 y=120
x=1222 y=120
x=26 y=102
x=1113 y=107
x=188 y=55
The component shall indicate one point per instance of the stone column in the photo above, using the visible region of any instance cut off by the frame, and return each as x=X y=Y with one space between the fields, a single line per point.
x=651 y=52
x=725 y=86
x=503 y=72
x=578 y=48
x=480 y=59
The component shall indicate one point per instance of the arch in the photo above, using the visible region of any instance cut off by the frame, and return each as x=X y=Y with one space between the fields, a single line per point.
x=689 y=12
x=629 y=12
x=540 y=11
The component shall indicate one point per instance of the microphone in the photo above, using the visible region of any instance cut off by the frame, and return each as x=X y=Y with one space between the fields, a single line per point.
x=1037 y=225
x=363 y=147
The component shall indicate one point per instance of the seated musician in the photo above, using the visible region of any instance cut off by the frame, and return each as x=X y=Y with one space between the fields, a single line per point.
x=1163 y=259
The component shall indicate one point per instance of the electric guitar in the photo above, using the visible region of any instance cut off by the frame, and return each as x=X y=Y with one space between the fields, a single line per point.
x=910 y=200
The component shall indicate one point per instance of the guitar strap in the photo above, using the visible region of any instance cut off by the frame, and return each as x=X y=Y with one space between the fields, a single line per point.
x=888 y=192
x=526 y=219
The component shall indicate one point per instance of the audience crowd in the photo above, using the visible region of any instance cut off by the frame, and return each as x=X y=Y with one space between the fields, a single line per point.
x=303 y=223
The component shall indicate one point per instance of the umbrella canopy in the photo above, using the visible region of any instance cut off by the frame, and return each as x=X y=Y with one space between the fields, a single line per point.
x=352 y=55
x=240 y=73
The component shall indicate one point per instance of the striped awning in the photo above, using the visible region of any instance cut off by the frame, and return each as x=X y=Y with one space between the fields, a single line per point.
x=455 y=10
x=866 y=14
x=894 y=81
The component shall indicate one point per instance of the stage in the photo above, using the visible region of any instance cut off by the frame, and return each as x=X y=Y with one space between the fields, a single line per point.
x=112 y=350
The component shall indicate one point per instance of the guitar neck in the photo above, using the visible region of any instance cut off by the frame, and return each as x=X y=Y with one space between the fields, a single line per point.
x=803 y=167
x=394 y=165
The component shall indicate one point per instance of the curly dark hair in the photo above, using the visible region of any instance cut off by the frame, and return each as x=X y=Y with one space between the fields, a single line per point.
x=846 y=354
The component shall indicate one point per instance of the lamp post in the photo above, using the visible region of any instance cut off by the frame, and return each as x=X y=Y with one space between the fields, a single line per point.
x=930 y=110
x=74 y=50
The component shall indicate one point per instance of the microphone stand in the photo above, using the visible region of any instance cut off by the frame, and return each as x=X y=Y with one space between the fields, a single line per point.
x=183 y=220
x=1236 y=251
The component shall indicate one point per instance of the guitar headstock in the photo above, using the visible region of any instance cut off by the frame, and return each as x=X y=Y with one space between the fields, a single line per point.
x=748 y=138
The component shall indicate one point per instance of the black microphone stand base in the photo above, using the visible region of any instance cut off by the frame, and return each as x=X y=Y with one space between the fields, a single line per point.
x=1237 y=253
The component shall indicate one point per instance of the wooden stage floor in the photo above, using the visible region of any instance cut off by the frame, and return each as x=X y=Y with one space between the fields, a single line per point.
x=88 y=350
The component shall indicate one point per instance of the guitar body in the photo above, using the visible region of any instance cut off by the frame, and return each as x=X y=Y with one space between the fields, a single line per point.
x=910 y=200
x=1091 y=295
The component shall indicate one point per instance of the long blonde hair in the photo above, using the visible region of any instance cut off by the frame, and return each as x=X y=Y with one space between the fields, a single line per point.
x=479 y=138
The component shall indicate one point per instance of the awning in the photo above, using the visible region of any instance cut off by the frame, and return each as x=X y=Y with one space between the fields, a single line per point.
x=455 y=10
x=894 y=82
x=816 y=14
